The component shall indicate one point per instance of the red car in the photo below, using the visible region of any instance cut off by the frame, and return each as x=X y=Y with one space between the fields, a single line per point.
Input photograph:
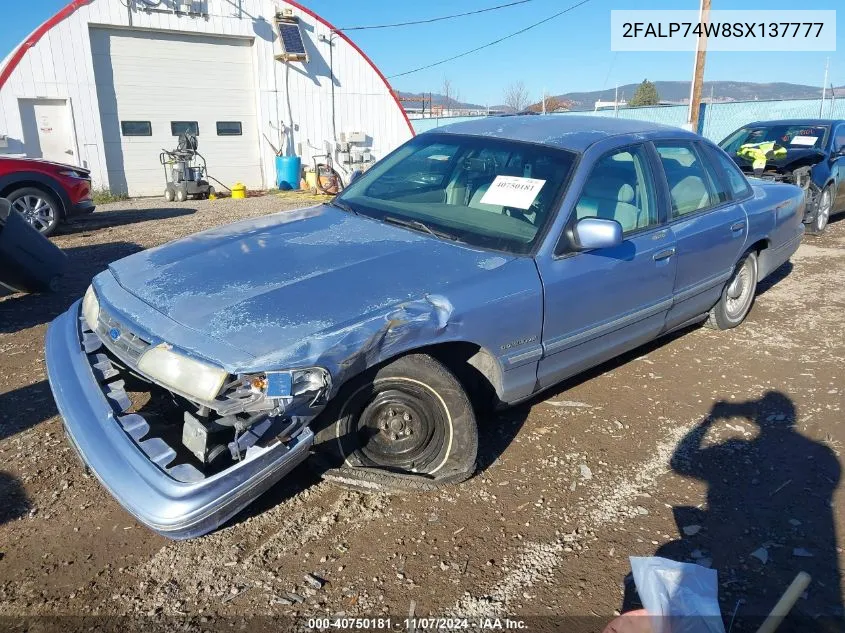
x=45 y=193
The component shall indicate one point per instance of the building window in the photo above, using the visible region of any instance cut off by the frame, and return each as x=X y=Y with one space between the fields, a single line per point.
x=229 y=128
x=178 y=128
x=136 y=128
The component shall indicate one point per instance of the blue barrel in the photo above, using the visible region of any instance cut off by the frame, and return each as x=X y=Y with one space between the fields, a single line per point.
x=287 y=172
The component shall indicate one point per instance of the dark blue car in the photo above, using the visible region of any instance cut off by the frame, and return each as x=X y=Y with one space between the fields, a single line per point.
x=488 y=259
x=809 y=153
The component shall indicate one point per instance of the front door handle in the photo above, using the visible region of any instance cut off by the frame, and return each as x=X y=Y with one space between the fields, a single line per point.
x=664 y=254
x=737 y=226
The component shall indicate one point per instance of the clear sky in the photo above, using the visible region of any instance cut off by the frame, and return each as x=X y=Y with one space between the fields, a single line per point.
x=570 y=53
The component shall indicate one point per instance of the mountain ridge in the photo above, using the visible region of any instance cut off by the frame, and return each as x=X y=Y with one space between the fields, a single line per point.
x=722 y=91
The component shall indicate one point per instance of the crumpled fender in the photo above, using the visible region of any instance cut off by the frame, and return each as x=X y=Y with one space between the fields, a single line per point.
x=352 y=349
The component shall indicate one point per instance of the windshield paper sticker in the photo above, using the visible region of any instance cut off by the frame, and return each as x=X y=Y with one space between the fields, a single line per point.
x=804 y=140
x=513 y=191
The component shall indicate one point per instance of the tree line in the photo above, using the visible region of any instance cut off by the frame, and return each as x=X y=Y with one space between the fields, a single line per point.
x=517 y=97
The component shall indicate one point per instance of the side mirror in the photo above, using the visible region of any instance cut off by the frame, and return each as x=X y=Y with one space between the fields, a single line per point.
x=355 y=175
x=597 y=233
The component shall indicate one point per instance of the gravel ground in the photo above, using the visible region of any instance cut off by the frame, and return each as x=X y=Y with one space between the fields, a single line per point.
x=721 y=448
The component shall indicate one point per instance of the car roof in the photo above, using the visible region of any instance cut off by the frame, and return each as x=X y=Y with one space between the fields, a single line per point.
x=795 y=122
x=572 y=132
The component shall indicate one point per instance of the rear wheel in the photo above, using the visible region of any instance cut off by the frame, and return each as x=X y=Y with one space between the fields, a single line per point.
x=406 y=425
x=169 y=194
x=38 y=207
x=737 y=296
x=181 y=194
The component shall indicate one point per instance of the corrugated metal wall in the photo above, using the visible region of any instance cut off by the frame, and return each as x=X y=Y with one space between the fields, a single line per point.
x=717 y=120
x=299 y=95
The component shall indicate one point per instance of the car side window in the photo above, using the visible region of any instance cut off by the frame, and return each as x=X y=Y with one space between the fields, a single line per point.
x=736 y=180
x=691 y=187
x=620 y=188
x=839 y=139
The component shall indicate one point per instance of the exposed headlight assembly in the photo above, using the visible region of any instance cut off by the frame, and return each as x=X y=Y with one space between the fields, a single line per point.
x=70 y=173
x=187 y=376
x=296 y=382
x=91 y=308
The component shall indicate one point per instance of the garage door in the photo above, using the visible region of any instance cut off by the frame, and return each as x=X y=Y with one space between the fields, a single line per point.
x=152 y=85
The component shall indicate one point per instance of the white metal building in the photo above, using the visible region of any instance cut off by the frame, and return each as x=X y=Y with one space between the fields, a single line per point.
x=107 y=84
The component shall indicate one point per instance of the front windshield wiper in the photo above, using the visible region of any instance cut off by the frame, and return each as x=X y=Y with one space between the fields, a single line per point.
x=419 y=226
x=343 y=206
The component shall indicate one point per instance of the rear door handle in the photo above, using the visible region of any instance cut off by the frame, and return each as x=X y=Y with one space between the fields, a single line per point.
x=664 y=254
x=737 y=226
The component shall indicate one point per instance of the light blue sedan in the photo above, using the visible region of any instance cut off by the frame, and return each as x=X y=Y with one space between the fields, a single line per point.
x=482 y=262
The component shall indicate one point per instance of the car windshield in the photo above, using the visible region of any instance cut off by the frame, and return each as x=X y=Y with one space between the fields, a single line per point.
x=788 y=136
x=485 y=192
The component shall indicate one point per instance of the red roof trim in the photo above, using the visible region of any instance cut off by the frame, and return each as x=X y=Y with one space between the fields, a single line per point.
x=361 y=53
x=32 y=40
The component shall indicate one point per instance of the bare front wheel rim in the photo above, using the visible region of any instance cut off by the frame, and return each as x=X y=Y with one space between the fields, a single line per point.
x=740 y=291
x=36 y=210
x=399 y=426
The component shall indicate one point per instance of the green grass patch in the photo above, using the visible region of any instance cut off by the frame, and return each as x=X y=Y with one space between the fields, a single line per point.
x=105 y=196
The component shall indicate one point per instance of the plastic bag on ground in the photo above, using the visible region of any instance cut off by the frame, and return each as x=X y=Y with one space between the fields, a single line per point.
x=679 y=597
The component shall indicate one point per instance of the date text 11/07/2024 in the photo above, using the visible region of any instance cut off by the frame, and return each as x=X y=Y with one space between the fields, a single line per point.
x=416 y=624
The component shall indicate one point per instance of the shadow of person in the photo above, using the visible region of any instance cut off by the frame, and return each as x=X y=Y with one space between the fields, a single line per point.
x=13 y=500
x=768 y=513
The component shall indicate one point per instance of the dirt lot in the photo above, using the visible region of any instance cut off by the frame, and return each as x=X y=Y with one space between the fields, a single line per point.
x=716 y=447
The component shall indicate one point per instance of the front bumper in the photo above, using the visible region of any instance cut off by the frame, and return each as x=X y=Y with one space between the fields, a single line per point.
x=82 y=207
x=176 y=509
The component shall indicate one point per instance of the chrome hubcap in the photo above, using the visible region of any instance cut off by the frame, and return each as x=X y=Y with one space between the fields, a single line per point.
x=36 y=211
x=740 y=291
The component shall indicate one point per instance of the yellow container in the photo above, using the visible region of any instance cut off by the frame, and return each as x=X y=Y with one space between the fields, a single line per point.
x=311 y=180
x=239 y=190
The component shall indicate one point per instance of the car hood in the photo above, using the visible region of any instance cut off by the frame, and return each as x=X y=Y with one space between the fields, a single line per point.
x=276 y=284
x=40 y=161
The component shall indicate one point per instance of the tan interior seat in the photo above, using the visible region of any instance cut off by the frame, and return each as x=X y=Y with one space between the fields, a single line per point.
x=607 y=197
x=689 y=194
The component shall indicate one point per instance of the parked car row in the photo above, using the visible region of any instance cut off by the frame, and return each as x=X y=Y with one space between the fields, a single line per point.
x=478 y=264
x=803 y=152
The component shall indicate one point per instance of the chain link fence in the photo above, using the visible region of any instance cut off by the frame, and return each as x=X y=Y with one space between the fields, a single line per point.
x=716 y=120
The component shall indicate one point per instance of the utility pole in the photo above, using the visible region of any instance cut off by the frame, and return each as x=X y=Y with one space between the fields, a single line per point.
x=616 y=101
x=824 y=86
x=698 y=68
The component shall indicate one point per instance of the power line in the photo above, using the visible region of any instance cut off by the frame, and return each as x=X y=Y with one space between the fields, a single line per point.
x=494 y=42
x=430 y=20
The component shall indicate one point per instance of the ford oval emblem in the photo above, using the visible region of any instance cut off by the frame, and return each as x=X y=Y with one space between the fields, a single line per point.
x=114 y=333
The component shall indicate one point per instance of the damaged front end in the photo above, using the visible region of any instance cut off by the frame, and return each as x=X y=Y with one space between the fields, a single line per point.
x=793 y=167
x=801 y=177
x=183 y=446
